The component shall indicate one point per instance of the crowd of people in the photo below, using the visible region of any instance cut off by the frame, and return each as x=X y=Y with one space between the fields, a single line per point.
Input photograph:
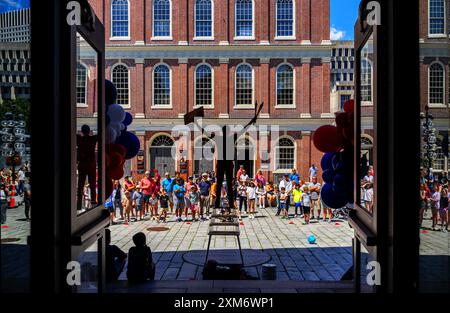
x=13 y=183
x=434 y=197
x=155 y=197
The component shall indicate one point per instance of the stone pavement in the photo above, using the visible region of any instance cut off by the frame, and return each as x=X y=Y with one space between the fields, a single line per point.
x=286 y=243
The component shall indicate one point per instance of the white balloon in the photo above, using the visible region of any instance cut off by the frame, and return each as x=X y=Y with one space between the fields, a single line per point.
x=116 y=127
x=110 y=135
x=116 y=113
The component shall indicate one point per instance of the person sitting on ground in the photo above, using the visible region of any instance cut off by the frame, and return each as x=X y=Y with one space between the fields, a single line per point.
x=140 y=262
x=114 y=259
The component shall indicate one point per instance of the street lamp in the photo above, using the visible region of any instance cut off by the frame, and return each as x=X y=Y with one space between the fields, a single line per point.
x=430 y=140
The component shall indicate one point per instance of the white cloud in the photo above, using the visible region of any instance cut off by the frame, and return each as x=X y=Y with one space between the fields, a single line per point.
x=336 y=34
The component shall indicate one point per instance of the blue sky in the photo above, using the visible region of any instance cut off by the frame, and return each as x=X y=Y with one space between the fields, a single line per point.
x=343 y=17
x=9 y=5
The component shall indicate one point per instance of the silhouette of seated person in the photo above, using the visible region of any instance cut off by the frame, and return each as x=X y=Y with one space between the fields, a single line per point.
x=115 y=259
x=86 y=164
x=140 y=262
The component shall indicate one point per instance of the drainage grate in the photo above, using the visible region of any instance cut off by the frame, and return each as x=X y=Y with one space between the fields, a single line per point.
x=158 y=228
x=7 y=240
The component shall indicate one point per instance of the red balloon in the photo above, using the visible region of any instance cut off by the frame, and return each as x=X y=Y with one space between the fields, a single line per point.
x=349 y=106
x=107 y=160
x=342 y=119
x=116 y=173
x=116 y=148
x=115 y=160
x=328 y=139
x=108 y=187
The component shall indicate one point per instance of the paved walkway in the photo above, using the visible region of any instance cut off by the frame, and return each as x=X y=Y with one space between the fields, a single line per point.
x=285 y=242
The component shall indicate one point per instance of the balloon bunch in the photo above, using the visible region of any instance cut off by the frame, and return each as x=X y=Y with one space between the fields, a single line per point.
x=121 y=144
x=337 y=143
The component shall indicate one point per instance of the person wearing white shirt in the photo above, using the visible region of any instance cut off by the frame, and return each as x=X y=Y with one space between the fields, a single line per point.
x=244 y=176
x=287 y=185
x=21 y=175
x=251 y=194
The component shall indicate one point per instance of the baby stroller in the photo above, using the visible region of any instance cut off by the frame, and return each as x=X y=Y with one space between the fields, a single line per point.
x=341 y=213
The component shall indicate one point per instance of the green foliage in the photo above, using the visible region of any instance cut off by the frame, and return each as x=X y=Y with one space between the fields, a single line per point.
x=23 y=106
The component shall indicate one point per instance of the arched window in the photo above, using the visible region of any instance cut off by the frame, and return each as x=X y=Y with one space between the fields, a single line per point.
x=285 y=154
x=203 y=18
x=436 y=84
x=436 y=17
x=366 y=81
x=161 y=154
x=244 y=85
x=203 y=86
x=285 y=85
x=120 y=78
x=285 y=18
x=120 y=18
x=161 y=86
x=162 y=18
x=81 y=84
x=244 y=18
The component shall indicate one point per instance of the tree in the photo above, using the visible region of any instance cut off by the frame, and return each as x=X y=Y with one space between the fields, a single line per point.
x=23 y=106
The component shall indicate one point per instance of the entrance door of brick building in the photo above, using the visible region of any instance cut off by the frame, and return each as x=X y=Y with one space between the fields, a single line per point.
x=161 y=159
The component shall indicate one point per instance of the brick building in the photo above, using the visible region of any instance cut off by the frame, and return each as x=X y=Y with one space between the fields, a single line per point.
x=435 y=68
x=168 y=57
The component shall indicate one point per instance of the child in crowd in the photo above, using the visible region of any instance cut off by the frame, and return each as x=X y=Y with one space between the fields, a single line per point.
x=179 y=203
x=306 y=203
x=297 y=193
x=140 y=262
x=153 y=202
x=138 y=202
x=283 y=200
x=128 y=206
x=242 y=192
x=164 y=204
x=435 y=205
x=251 y=194
x=194 y=199
x=261 y=194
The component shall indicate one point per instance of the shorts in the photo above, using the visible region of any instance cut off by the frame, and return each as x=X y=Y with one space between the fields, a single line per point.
x=306 y=210
x=164 y=210
x=178 y=203
x=146 y=198
x=298 y=205
x=170 y=197
x=282 y=205
x=443 y=211
x=111 y=209
x=138 y=208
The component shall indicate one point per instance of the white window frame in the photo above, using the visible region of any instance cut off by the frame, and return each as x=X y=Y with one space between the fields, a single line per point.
x=368 y=103
x=437 y=105
x=252 y=37
x=442 y=35
x=290 y=106
x=294 y=20
x=120 y=37
x=154 y=37
x=212 y=86
x=277 y=170
x=84 y=105
x=244 y=106
x=158 y=106
x=206 y=38
x=125 y=106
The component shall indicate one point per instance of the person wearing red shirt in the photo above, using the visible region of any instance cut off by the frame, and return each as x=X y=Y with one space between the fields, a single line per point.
x=86 y=164
x=147 y=189
x=157 y=179
x=239 y=173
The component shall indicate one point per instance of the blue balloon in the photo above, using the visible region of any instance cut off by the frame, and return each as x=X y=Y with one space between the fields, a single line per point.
x=107 y=120
x=131 y=144
x=128 y=119
x=340 y=185
x=332 y=199
x=328 y=176
x=312 y=239
x=325 y=163
x=110 y=93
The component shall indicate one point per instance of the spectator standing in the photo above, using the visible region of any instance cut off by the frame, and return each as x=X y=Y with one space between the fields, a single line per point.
x=205 y=190
x=294 y=176
x=27 y=198
x=312 y=172
x=167 y=185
